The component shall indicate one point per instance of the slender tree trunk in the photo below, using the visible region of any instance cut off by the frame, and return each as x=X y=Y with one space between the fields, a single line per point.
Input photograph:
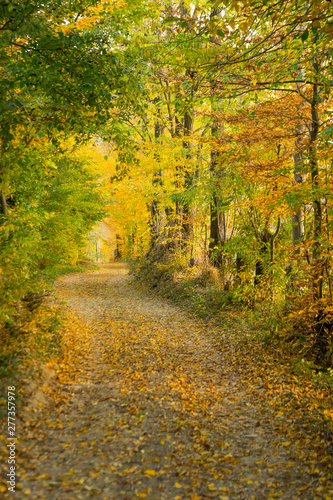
x=317 y=207
x=175 y=233
x=181 y=231
x=215 y=243
x=266 y=241
x=218 y=219
x=118 y=253
x=187 y=224
x=272 y=240
x=298 y=214
x=157 y=214
x=263 y=240
x=184 y=127
x=297 y=220
x=3 y=204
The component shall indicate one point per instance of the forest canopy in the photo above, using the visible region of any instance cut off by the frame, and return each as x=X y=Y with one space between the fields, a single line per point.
x=202 y=129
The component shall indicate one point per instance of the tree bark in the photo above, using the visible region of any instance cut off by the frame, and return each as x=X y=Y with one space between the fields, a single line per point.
x=317 y=207
x=218 y=219
x=219 y=231
x=187 y=224
x=266 y=241
x=298 y=214
x=215 y=243
x=297 y=220
x=156 y=212
x=3 y=204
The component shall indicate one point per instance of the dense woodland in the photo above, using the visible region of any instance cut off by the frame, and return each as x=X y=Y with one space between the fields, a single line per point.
x=202 y=129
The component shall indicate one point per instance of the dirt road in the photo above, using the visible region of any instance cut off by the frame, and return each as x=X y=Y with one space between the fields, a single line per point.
x=151 y=409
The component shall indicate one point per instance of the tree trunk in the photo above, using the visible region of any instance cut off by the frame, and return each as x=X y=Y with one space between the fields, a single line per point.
x=317 y=208
x=118 y=253
x=3 y=204
x=298 y=215
x=260 y=262
x=156 y=212
x=187 y=224
x=218 y=219
x=297 y=220
x=266 y=241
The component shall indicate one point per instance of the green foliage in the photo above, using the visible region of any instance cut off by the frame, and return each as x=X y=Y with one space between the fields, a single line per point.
x=54 y=201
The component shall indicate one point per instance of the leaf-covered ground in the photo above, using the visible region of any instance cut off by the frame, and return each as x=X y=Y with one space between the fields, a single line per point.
x=150 y=403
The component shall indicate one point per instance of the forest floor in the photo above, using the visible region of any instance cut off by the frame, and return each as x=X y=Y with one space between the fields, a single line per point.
x=151 y=402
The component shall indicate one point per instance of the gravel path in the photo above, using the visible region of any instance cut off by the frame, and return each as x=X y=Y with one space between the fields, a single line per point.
x=148 y=407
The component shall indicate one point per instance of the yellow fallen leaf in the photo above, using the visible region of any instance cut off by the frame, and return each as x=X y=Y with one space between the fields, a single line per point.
x=143 y=493
x=303 y=488
x=150 y=473
x=129 y=471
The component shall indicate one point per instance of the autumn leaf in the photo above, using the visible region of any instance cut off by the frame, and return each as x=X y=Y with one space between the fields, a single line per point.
x=150 y=473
